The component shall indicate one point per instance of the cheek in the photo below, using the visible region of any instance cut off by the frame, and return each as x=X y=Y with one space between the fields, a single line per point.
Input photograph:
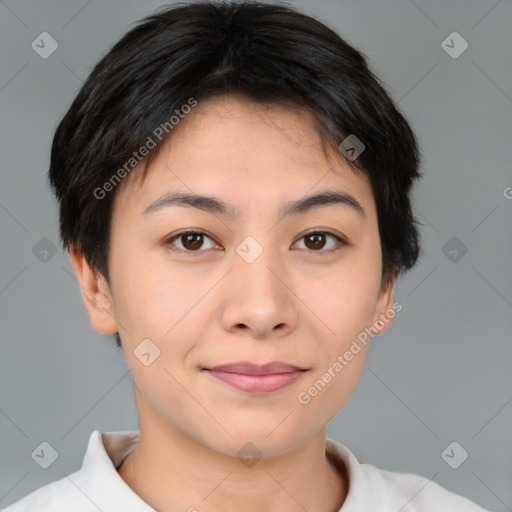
x=149 y=297
x=357 y=312
x=346 y=301
x=162 y=307
x=347 y=308
x=146 y=306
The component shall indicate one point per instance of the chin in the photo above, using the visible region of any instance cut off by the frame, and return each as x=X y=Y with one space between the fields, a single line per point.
x=260 y=441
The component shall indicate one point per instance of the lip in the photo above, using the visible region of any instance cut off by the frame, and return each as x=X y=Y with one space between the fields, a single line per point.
x=255 y=378
x=248 y=368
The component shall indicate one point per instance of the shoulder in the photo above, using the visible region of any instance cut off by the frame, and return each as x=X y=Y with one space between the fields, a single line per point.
x=95 y=486
x=58 y=496
x=373 y=488
x=414 y=493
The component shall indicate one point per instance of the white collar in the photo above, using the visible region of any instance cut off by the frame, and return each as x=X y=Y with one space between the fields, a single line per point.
x=98 y=485
x=101 y=482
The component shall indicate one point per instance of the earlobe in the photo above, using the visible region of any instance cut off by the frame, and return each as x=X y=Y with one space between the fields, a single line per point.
x=95 y=294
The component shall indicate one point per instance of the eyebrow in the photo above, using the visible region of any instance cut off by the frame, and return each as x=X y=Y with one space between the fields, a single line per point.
x=216 y=205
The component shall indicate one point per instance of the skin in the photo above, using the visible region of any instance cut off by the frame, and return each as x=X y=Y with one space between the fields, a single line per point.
x=299 y=303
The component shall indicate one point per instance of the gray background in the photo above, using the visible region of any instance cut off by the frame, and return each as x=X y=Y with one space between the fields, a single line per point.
x=441 y=373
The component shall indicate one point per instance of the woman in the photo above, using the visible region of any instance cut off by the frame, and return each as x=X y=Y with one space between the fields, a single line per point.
x=234 y=193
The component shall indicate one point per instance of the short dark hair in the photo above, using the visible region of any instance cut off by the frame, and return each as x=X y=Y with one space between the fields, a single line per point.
x=269 y=53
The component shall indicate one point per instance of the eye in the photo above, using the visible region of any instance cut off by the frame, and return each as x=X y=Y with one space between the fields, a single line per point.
x=315 y=241
x=190 y=241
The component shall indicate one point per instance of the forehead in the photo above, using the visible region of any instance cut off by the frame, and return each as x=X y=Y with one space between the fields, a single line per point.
x=229 y=146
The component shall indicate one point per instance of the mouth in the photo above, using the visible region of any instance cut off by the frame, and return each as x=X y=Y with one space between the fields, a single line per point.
x=254 y=378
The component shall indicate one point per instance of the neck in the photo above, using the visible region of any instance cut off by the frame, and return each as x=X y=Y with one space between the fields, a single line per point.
x=171 y=471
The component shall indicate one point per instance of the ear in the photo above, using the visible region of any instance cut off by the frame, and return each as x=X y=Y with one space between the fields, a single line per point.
x=95 y=294
x=384 y=311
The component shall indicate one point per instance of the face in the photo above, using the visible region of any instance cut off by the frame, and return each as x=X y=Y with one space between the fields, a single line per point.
x=249 y=285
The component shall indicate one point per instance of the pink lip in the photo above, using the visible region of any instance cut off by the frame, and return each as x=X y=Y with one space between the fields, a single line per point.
x=255 y=378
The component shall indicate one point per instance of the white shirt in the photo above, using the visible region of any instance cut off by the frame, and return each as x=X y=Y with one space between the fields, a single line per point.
x=97 y=486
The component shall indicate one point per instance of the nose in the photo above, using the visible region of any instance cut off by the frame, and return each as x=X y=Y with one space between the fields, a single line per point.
x=258 y=299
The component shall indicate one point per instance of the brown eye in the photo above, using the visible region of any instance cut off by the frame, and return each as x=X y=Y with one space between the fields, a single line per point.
x=316 y=241
x=191 y=242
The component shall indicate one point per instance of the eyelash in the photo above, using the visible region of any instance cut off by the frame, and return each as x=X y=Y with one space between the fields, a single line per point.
x=341 y=242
